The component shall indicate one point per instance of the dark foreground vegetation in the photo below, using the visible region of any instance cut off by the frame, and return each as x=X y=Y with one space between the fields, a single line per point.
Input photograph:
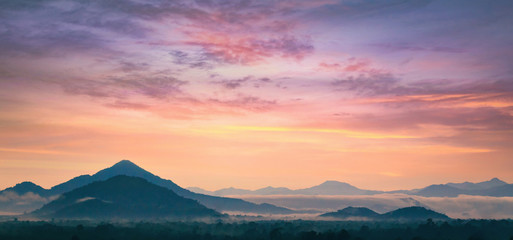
x=301 y=230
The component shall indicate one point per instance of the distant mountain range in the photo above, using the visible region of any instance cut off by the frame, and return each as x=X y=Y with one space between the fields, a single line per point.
x=123 y=197
x=326 y=188
x=407 y=214
x=494 y=187
x=27 y=196
x=128 y=168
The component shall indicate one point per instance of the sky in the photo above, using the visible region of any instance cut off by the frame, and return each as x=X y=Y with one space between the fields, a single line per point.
x=384 y=95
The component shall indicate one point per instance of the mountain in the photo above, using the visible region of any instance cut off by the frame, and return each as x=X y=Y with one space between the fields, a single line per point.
x=126 y=167
x=123 y=197
x=273 y=191
x=499 y=191
x=440 y=190
x=27 y=187
x=352 y=212
x=238 y=191
x=231 y=191
x=494 y=187
x=200 y=190
x=23 y=197
x=413 y=213
x=494 y=182
x=326 y=188
x=408 y=213
x=71 y=184
x=335 y=188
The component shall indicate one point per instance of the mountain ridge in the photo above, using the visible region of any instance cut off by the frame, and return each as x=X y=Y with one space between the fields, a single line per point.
x=494 y=187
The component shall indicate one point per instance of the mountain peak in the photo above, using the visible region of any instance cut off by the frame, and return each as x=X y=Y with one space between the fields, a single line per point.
x=496 y=180
x=123 y=167
x=331 y=182
x=25 y=187
x=26 y=184
x=125 y=163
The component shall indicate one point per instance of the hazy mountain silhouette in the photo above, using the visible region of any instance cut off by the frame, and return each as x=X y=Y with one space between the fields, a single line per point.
x=126 y=167
x=335 y=188
x=200 y=190
x=273 y=191
x=123 y=197
x=492 y=183
x=231 y=191
x=352 y=212
x=238 y=191
x=408 y=214
x=499 y=191
x=440 y=190
x=27 y=187
x=413 y=213
x=326 y=188
x=494 y=187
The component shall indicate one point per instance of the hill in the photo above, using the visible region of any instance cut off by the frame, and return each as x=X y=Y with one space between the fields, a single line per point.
x=407 y=214
x=27 y=187
x=413 y=213
x=123 y=197
x=352 y=212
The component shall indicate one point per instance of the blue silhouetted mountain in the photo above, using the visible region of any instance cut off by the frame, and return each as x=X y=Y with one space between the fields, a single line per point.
x=407 y=214
x=413 y=213
x=128 y=168
x=492 y=183
x=335 y=188
x=494 y=187
x=200 y=190
x=352 y=212
x=440 y=190
x=123 y=197
x=28 y=187
x=71 y=184
x=231 y=191
x=238 y=191
x=273 y=191
x=499 y=191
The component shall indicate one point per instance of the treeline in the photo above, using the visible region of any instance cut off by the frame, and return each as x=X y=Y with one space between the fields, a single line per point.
x=261 y=230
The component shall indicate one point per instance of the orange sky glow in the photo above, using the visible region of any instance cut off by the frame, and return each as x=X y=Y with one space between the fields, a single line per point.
x=237 y=95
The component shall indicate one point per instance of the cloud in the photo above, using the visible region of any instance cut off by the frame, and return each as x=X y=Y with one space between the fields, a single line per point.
x=237 y=83
x=372 y=83
x=249 y=49
x=250 y=103
x=121 y=87
x=54 y=28
x=411 y=47
x=128 y=105
x=198 y=61
x=12 y=202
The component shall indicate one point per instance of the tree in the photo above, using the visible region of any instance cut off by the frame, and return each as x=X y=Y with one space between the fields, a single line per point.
x=343 y=235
